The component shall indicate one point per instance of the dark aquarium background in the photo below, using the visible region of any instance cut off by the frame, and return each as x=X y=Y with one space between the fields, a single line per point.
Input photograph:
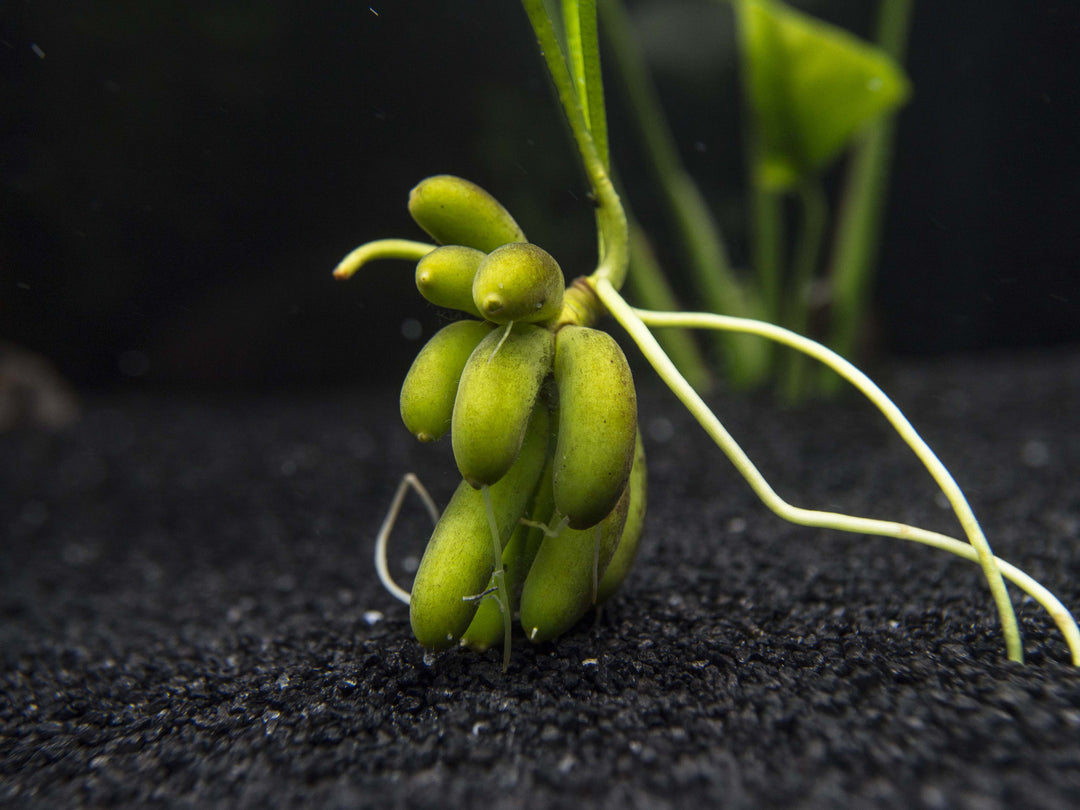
x=179 y=178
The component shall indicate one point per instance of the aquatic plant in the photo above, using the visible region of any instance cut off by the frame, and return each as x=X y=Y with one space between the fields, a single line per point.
x=540 y=403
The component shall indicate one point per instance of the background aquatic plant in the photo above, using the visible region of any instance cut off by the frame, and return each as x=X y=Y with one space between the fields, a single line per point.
x=811 y=92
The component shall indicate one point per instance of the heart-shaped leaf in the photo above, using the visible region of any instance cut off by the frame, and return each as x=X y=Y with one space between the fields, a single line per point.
x=811 y=87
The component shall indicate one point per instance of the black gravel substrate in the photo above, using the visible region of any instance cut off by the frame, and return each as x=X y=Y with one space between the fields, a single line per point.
x=189 y=615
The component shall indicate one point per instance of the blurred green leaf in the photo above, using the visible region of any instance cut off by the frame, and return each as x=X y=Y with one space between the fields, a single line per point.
x=811 y=87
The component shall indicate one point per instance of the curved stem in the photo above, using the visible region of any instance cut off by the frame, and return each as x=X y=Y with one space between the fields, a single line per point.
x=634 y=321
x=382 y=539
x=381 y=249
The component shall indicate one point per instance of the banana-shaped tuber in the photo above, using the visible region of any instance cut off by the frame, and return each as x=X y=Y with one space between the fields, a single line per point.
x=427 y=395
x=625 y=553
x=486 y=629
x=518 y=282
x=459 y=558
x=455 y=211
x=445 y=277
x=597 y=424
x=496 y=394
x=562 y=584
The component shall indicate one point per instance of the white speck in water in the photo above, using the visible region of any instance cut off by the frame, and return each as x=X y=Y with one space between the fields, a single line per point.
x=590 y=662
x=1035 y=453
x=429 y=658
x=373 y=11
x=736 y=525
x=40 y=54
x=411 y=329
x=477 y=728
x=567 y=763
x=410 y=564
x=372 y=617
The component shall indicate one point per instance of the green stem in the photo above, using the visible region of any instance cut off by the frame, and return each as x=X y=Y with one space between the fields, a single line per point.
x=796 y=306
x=614 y=238
x=862 y=205
x=579 y=19
x=634 y=321
x=381 y=249
x=767 y=247
x=502 y=592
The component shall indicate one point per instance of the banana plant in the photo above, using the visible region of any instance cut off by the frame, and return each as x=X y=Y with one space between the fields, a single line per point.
x=541 y=408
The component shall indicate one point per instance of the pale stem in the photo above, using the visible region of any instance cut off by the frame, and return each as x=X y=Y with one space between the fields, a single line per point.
x=381 y=249
x=383 y=538
x=634 y=321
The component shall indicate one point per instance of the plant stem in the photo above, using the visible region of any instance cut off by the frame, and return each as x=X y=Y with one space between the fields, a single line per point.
x=583 y=45
x=381 y=249
x=795 y=309
x=766 y=246
x=862 y=205
x=383 y=537
x=502 y=592
x=634 y=321
x=611 y=219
